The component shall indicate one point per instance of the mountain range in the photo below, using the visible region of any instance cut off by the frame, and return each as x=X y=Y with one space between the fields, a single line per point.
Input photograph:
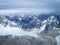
x=33 y=30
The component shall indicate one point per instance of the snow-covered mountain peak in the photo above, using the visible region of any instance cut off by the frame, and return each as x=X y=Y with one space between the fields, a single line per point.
x=49 y=24
x=6 y=22
x=52 y=19
x=2 y=19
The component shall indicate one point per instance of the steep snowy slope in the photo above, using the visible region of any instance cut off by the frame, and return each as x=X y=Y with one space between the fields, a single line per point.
x=15 y=31
x=11 y=27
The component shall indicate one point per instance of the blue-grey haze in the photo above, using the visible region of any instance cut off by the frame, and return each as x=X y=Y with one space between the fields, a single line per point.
x=50 y=5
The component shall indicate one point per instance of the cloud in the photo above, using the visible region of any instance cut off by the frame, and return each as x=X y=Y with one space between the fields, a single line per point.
x=51 y=5
x=25 y=11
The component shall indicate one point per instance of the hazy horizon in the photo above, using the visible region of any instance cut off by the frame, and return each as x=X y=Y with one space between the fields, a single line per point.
x=29 y=6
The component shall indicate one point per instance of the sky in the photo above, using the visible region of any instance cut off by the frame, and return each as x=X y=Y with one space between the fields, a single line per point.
x=40 y=6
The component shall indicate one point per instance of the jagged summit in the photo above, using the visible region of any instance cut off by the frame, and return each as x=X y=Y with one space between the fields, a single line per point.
x=52 y=20
x=29 y=22
x=26 y=25
x=49 y=24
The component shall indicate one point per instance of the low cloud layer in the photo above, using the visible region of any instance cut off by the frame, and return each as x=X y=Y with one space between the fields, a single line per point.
x=40 y=5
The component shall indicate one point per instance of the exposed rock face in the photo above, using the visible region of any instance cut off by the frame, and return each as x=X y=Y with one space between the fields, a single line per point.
x=52 y=34
x=25 y=40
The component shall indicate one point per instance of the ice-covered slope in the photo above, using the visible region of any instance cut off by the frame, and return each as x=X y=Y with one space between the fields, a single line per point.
x=11 y=27
x=15 y=31
x=8 y=27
